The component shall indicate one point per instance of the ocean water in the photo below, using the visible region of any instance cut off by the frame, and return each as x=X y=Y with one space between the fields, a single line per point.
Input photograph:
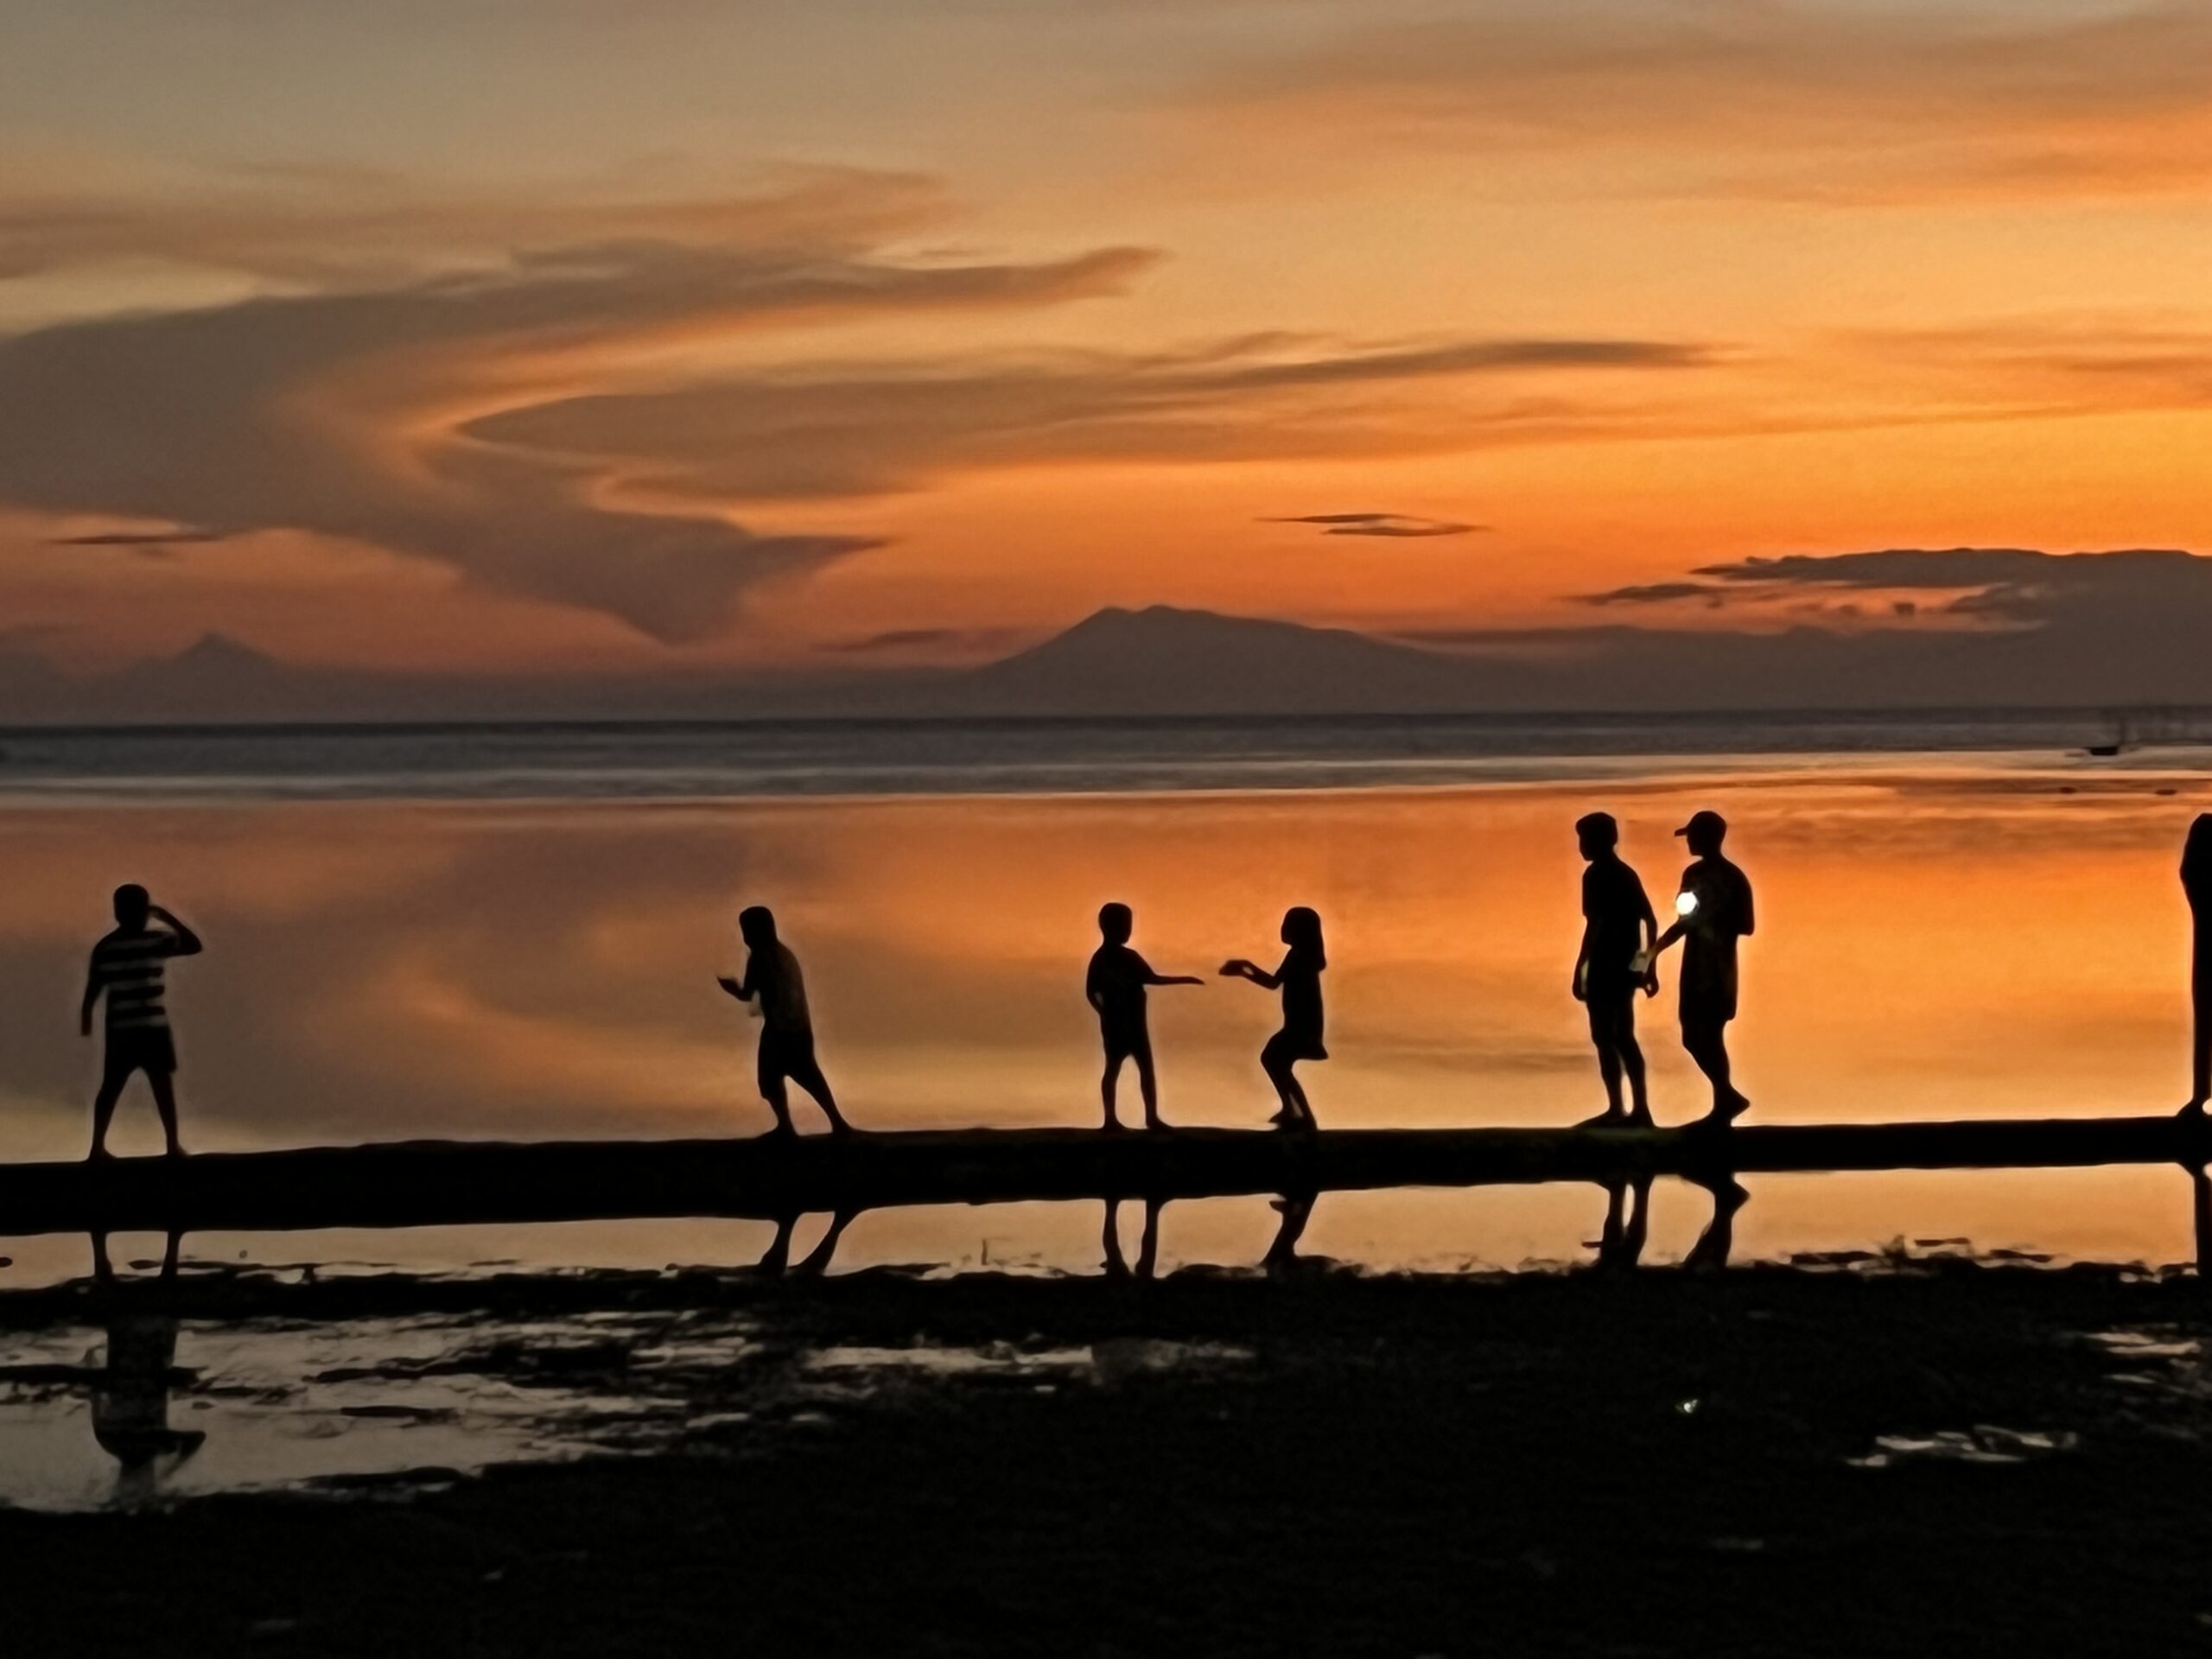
x=677 y=760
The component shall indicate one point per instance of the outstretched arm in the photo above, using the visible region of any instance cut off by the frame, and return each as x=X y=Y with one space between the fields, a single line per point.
x=188 y=941
x=1173 y=979
x=1240 y=969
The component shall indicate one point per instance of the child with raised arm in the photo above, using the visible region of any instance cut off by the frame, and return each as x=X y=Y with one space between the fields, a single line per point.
x=1115 y=989
x=786 y=1028
x=127 y=967
x=1298 y=978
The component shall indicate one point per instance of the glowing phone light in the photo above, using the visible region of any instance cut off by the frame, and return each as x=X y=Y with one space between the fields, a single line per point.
x=1685 y=903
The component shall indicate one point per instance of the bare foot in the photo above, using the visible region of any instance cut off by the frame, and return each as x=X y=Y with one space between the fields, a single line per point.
x=1158 y=1124
x=1607 y=1120
x=1111 y=1125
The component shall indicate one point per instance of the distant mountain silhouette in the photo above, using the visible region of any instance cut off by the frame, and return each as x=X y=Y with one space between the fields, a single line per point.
x=1162 y=660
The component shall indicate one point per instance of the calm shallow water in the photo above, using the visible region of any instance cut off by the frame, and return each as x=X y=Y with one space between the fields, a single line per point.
x=1940 y=937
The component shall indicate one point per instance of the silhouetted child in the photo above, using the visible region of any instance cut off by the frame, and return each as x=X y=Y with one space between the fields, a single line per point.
x=2196 y=883
x=787 y=1029
x=128 y=966
x=1298 y=978
x=1618 y=931
x=1115 y=986
x=1714 y=910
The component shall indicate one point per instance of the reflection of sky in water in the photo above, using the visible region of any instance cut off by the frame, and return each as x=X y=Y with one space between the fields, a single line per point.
x=1937 y=944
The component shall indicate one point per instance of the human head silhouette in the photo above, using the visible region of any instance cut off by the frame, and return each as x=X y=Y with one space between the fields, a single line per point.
x=1116 y=923
x=1301 y=928
x=131 y=905
x=1705 y=832
x=756 y=926
x=1597 y=834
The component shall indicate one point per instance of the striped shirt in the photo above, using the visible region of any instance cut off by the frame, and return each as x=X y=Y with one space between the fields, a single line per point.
x=127 y=967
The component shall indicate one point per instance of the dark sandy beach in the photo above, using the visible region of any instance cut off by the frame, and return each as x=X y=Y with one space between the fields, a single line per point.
x=1858 y=1458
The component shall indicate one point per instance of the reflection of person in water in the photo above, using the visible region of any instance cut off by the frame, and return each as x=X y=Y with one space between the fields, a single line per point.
x=1115 y=986
x=1618 y=933
x=776 y=1260
x=131 y=1400
x=1296 y=1208
x=1714 y=912
x=2196 y=883
x=1116 y=1265
x=127 y=967
x=1719 y=1239
x=1627 y=1210
x=772 y=974
x=1298 y=978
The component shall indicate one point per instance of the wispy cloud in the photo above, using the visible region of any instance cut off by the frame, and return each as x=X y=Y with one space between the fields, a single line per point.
x=1405 y=524
x=1769 y=97
x=837 y=430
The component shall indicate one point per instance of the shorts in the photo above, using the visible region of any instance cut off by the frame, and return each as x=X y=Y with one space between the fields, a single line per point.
x=1288 y=1045
x=1610 y=1004
x=784 y=1055
x=150 y=1049
x=1126 y=1042
x=1708 y=1008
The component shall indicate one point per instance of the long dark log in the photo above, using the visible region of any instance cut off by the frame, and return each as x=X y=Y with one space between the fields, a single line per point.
x=446 y=1183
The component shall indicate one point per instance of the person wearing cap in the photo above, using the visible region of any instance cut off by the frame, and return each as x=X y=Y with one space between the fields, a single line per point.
x=1714 y=912
x=1617 y=930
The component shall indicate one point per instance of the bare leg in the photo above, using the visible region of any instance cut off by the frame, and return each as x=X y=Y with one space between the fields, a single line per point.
x=1106 y=1087
x=163 y=1085
x=1148 y=1086
x=112 y=1084
x=1631 y=1062
x=102 y=1268
x=779 y=1101
x=809 y=1077
x=1609 y=1072
x=1708 y=1046
x=1278 y=1070
x=1298 y=1097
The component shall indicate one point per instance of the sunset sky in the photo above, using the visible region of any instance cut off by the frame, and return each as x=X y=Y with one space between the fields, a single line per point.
x=557 y=337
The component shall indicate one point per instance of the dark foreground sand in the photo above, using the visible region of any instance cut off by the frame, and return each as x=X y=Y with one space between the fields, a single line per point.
x=1648 y=1463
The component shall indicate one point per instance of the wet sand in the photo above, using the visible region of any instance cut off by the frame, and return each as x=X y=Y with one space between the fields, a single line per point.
x=1830 y=1458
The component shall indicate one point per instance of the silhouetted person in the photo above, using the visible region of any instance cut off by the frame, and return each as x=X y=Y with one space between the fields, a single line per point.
x=1298 y=979
x=1115 y=986
x=771 y=975
x=2196 y=883
x=1714 y=912
x=127 y=967
x=130 y=1400
x=1618 y=933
